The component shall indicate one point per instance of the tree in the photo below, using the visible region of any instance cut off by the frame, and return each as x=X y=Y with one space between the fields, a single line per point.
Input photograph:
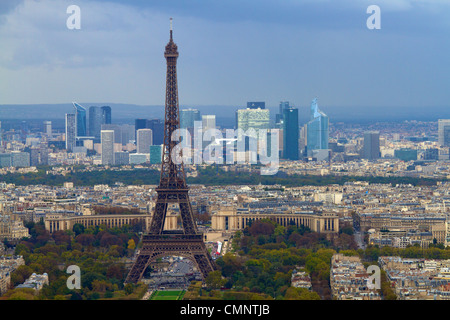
x=214 y=280
x=108 y=239
x=85 y=239
x=22 y=250
x=88 y=279
x=131 y=244
x=101 y=286
x=347 y=229
x=115 y=271
x=129 y=288
x=386 y=290
x=21 y=274
x=261 y=227
x=230 y=264
x=21 y=294
x=61 y=237
x=293 y=293
x=279 y=230
x=78 y=228
x=317 y=266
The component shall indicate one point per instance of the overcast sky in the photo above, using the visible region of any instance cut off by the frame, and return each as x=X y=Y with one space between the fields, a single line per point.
x=231 y=52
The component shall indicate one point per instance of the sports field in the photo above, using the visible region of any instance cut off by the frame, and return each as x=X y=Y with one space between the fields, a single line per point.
x=167 y=295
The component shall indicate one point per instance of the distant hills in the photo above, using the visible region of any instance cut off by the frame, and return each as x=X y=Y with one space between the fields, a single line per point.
x=226 y=114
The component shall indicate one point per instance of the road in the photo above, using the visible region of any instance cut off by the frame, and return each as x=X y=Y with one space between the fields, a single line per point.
x=359 y=238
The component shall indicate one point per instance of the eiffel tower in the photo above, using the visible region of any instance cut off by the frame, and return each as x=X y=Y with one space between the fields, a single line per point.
x=172 y=189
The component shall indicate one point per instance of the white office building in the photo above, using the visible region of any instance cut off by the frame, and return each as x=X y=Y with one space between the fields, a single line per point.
x=107 y=140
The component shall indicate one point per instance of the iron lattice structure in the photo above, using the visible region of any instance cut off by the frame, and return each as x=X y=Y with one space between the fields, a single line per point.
x=172 y=189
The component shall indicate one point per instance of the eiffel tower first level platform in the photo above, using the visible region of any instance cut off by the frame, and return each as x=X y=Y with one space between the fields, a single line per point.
x=166 y=244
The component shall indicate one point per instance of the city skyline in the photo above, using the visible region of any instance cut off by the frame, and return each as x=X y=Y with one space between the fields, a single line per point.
x=121 y=205
x=308 y=50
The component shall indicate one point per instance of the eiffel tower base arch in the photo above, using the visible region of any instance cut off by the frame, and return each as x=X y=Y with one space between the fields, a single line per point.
x=157 y=246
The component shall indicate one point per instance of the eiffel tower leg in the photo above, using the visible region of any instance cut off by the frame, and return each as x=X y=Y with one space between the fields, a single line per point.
x=159 y=216
x=138 y=268
x=187 y=217
x=204 y=264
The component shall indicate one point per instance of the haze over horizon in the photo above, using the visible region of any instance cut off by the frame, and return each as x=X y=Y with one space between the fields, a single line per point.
x=225 y=115
x=230 y=53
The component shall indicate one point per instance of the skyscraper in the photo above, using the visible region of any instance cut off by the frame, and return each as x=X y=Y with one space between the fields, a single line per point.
x=106 y=115
x=117 y=131
x=317 y=129
x=140 y=124
x=371 y=149
x=144 y=139
x=279 y=116
x=248 y=120
x=187 y=118
x=252 y=118
x=155 y=154
x=80 y=118
x=107 y=141
x=208 y=122
x=157 y=126
x=70 y=131
x=98 y=116
x=48 y=128
x=128 y=133
x=290 y=133
x=95 y=122
x=444 y=132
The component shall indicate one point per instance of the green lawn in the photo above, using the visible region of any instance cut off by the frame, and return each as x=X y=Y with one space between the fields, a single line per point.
x=167 y=295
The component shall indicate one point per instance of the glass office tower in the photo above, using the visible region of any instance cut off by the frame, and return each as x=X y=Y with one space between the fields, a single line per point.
x=155 y=154
x=187 y=118
x=157 y=126
x=317 y=130
x=106 y=115
x=279 y=116
x=80 y=119
x=95 y=122
x=98 y=116
x=290 y=133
